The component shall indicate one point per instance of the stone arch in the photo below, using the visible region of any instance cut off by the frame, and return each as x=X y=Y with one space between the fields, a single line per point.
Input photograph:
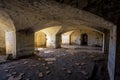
x=7 y=26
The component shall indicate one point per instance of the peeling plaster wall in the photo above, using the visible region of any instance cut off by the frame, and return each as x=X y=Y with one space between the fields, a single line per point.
x=40 y=39
x=94 y=38
x=2 y=43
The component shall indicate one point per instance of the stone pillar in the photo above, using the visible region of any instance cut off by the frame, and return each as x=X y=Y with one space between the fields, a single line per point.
x=10 y=38
x=53 y=41
x=58 y=41
x=25 y=42
x=112 y=53
x=66 y=39
x=106 y=41
x=117 y=63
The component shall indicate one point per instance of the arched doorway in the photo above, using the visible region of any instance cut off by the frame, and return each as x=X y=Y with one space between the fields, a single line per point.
x=84 y=39
x=40 y=39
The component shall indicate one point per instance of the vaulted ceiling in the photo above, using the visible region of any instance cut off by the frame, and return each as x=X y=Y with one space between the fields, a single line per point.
x=40 y=14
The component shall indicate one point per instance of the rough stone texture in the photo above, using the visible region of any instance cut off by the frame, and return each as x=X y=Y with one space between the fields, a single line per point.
x=63 y=68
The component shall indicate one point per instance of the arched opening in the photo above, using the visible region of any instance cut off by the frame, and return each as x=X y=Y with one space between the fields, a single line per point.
x=46 y=38
x=95 y=40
x=40 y=40
x=84 y=39
x=7 y=36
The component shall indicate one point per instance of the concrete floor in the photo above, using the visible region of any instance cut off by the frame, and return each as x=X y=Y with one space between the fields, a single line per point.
x=53 y=64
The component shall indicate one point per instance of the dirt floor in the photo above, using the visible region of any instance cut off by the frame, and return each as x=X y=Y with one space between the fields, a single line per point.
x=56 y=64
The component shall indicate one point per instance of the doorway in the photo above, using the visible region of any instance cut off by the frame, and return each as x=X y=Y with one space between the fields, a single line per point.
x=84 y=39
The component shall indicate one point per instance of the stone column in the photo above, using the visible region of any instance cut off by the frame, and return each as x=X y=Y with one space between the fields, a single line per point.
x=106 y=41
x=117 y=63
x=10 y=39
x=25 y=42
x=112 y=53
x=58 y=41
x=66 y=39
x=53 y=41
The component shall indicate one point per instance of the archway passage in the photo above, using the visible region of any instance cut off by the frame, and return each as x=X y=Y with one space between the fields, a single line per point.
x=84 y=39
x=46 y=38
x=7 y=36
x=40 y=39
x=74 y=39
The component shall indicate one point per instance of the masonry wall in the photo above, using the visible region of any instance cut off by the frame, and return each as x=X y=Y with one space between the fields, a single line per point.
x=25 y=42
x=2 y=43
x=94 y=38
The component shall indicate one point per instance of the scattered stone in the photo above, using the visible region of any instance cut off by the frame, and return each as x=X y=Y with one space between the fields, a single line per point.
x=15 y=78
x=11 y=78
x=34 y=65
x=46 y=67
x=8 y=75
x=83 y=64
x=21 y=74
x=37 y=64
x=40 y=74
x=63 y=69
x=58 y=55
x=84 y=57
x=77 y=64
x=86 y=77
x=6 y=70
x=47 y=72
x=80 y=67
x=14 y=73
x=49 y=62
x=25 y=62
x=92 y=56
x=50 y=59
x=64 y=54
x=69 y=72
x=39 y=59
x=49 y=51
x=10 y=57
x=43 y=64
x=10 y=67
x=84 y=72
